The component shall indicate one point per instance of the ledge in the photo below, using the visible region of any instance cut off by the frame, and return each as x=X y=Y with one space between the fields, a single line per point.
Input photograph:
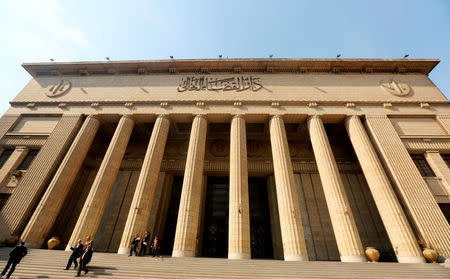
x=268 y=65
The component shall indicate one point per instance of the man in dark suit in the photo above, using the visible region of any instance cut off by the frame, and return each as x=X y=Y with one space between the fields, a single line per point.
x=15 y=257
x=77 y=252
x=85 y=259
x=144 y=244
x=134 y=245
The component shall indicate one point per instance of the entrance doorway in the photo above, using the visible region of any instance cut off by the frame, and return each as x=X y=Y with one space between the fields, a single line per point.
x=260 y=232
x=167 y=239
x=215 y=231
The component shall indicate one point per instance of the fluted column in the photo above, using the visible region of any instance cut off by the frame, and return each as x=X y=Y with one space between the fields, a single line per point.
x=239 y=211
x=141 y=205
x=13 y=162
x=188 y=213
x=51 y=203
x=94 y=206
x=423 y=210
x=344 y=226
x=27 y=193
x=394 y=219
x=294 y=246
x=440 y=168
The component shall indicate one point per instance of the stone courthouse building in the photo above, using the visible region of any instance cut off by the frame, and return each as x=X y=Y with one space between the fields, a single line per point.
x=294 y=159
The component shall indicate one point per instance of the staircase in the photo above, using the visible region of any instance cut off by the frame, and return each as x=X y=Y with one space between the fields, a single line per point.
x=41 y=263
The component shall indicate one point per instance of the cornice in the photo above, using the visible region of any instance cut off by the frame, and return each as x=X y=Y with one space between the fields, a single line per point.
x=270 y=65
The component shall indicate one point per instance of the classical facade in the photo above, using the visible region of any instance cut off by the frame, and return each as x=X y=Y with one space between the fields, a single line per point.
x=294 y=159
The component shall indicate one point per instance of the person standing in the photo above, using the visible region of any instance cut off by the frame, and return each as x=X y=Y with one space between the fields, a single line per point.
x=85 y=259
x=15 y=257
x=144 y=244
x=134 y=245
x=77 y=252
x=155 y=247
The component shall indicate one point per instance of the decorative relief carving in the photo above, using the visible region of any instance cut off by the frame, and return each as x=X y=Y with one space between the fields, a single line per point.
x=395 y=88
x=200 y=83
x=60 y=88
x=219 y=148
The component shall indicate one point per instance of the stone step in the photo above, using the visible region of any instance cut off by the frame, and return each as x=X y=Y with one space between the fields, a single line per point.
x=40 y=263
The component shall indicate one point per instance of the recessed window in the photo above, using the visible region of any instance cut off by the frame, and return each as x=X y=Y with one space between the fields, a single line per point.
x=5 y=156
x=28 y=160
x=422 y=165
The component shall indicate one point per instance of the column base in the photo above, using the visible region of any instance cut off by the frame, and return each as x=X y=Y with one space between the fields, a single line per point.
x=411 y=259
x=123 y=251
x=68 y=248
x=238 y=256
x=353 y=259
x=182 y=254
x=291 y=258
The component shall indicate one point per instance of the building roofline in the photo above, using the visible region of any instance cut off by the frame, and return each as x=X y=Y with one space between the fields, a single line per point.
x=236 y=65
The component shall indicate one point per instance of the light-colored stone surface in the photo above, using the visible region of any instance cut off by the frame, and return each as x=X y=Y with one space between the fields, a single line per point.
x=239 y=209
x=146 y=186
x=344 y=226
x=189 y=211
x=294 y=246
x=20 y=205
x=13 y=162
x=425 y=214
x=400 y=233
x=92 y=212
x=51 y=203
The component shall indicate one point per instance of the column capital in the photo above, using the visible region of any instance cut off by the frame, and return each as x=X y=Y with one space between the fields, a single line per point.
x=433 y=151
x=237 y=116
x=200 y=116
x=313 y=116
x=163 y=115
x=21 y=147
x=127 y=116
x=274 y=116
x=353 y=116
x=94 y=116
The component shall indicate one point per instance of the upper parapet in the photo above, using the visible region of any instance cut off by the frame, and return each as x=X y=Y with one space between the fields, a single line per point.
x=280 y=65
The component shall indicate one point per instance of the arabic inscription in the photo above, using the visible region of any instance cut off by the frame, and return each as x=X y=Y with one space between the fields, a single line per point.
x=238 y=84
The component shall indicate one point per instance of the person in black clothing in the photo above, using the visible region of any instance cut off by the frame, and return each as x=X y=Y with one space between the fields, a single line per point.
x=77 y=252
x=144 y=244
x=134 y=245
x=15 y=257
x=85 y=259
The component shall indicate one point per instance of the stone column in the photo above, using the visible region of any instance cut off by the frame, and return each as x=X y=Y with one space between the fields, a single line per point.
x=440 y=168
x=191 y=194
x=94 y=206
x=344 y=226
x=294 y=246
x=21 y=204
x=239 y=211
x=13 y=162
x=397 y=227
x=141 y=205
x=419 y=203
x=51 y=203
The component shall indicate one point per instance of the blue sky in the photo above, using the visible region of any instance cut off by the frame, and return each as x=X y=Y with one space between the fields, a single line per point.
x=34 y=31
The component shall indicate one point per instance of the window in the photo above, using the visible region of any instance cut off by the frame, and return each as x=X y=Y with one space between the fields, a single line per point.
x=422 y=165
x=446 y=158
x=5 y=156
x=28 y=160
x=3 y=199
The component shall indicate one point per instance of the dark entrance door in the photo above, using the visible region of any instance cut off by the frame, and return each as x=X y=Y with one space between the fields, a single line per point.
x=260 y=233
x=168 y=238
x=215 y=231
